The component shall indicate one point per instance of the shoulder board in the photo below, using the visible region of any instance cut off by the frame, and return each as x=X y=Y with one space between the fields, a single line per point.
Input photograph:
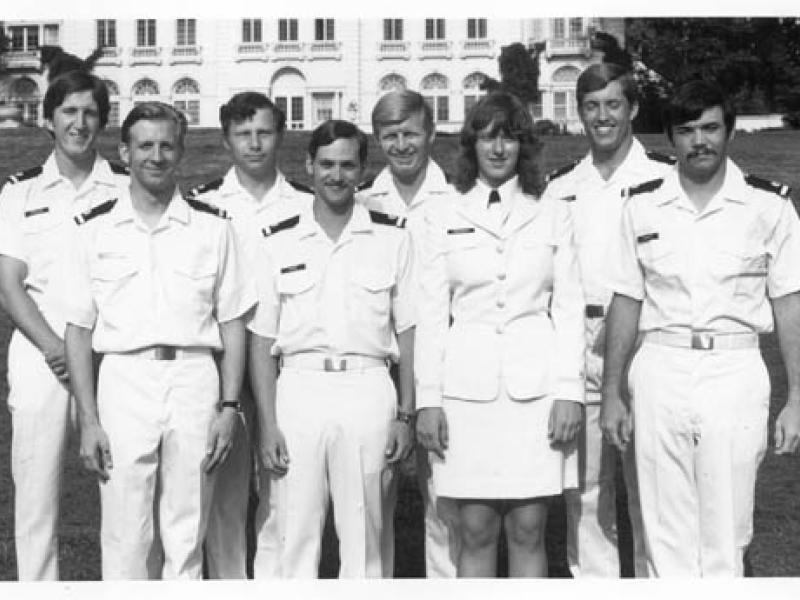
x=119 y=168
x=365 y=185
x=23 y=175
x=207 y=208
x=300 y=187
x=662 y=158
x=561 y=171
x=644 y=188
x=768 y=186
x=384 y=219
x=98 y=210
x=281 y=226
x=205 y=187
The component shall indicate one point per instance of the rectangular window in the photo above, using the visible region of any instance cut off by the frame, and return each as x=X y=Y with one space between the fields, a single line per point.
x=186 y=33
x=538 y=110
x=393 y=30
x=469 y=102
x=287 y=30
x=323 y=30
x=575 y=28
x=113 y=113
x=323 y=107
x=190 y=108
x=251 y=30
x=560 y=106
x=476 y=29
x=145 y=32
x=24 y=37
x=442 y=108
x=297 y=112
x=50 y=36
x=434 y=29
x=106 y=33
x=280 y=102
x=558 y=29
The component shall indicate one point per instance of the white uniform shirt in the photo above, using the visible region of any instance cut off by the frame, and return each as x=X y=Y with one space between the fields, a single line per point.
x=596 y=206
x=245 y=211
x=711 y=270
x=137 y=287
x=512 y=290
x=37 y=208
x=344 y=297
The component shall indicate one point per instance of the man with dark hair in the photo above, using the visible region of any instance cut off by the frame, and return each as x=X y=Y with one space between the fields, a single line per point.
x=403 y=127
x=593 y=187
x=152 y=282
x=36 y=211
x=706 y=261
x=335 y=306
x=252 y=190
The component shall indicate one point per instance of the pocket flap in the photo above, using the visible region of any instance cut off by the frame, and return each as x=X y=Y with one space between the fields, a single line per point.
x=374 y=280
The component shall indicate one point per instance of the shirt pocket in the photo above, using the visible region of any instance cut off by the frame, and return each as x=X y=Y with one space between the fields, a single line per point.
x=194 y=278
x=658 y=257
x=538 y=254
x=466 y=256
x=371 y=301
x=44 y=242
x=743 y=269
x=112 y=280
x=297 y=291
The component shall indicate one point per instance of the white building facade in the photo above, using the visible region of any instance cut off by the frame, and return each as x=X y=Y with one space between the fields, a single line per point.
x=313 y=68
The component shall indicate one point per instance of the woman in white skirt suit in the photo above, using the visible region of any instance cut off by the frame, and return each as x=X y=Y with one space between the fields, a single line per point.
x=499 y=343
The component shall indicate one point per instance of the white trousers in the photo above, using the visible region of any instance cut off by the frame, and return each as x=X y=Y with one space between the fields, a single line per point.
x=336 y=426
x=592 y=543
x=701 y=433
x=442 y=538
x=42 y=415
x=157 y=416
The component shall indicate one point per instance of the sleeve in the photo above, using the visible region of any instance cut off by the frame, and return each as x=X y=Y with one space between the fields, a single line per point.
x=11 y=238
x=403 y=293
x=567 y=310
x=626 y=275
x=265 y=319
x=234 y=294
x=783 y=275
x=433 y=313
x=73 y=283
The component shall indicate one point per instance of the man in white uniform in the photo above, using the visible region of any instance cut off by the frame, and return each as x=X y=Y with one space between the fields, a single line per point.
x=153 y=283
x=706 y=256
x=593 y=186
x=251 y=191
x=36 y=211
x=403 y=126
x=334 y=306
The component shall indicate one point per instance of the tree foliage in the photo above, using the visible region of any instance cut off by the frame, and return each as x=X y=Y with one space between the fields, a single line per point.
x=519 y=72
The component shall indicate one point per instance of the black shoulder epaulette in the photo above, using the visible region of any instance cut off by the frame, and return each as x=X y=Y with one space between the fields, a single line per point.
x=98 y=210
x=384 y=219
x=23 y=175
x=119 y=168
x=281 y=226
x=365 y=185
x=662 y=158
x=768 y=186
x=644 y=188
x=560 y=171
x=300 y=187
x=207 y=208
x=204 y=187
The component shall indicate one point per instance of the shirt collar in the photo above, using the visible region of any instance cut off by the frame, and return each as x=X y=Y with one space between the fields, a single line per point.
x=508 y=191
x=101 y=172
x=434 y=182
x=232 y=187
x=177 y=209
x=360 y=222
x=734 y=188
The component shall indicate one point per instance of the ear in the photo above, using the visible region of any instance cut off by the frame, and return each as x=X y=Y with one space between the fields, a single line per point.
x=225 y=143
x=634 y=110
x=124 y=153
x=309 y=165
x=732 y=134
x=432 y=136
x=48 y=124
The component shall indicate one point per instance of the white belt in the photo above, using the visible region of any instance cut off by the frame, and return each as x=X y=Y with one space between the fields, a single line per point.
x=698 y=340
x=163 y=352
x=319 y=361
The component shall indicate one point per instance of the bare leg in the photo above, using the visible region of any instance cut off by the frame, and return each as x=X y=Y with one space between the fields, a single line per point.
x=480 y=529
x=525 y=524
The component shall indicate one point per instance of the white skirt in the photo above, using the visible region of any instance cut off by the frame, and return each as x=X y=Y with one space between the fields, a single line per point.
x=500 y=450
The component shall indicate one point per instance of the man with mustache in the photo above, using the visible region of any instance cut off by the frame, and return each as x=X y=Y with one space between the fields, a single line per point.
x=253 y=189
x=706 y=261
x=403 y=126
x=593 y=186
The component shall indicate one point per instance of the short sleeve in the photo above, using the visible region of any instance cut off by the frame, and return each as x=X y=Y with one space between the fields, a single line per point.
x=11 y=239
x=403 y=309
x=626 y=275
x=234 y=293
x=783 y=276
x=73 y=283
x=265 y=319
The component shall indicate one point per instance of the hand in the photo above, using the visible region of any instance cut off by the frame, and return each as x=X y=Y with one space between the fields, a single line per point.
x=95 y=451
x=220 y=439
x=615 y=420
x=566 y=419
x=432 y=430
x=55 y=356
x=400 y=442
x=274 y=454
x=787 y=429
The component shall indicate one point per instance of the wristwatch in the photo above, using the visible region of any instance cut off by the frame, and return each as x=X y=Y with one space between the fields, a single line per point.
x=404 y=417
x=234 y=404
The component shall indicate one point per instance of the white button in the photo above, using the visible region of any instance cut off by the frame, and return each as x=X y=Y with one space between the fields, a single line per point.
x=501 y=276
x=500 y=303
x=499 y=329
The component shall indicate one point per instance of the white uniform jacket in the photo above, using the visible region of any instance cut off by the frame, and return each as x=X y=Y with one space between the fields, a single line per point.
x=501 y=304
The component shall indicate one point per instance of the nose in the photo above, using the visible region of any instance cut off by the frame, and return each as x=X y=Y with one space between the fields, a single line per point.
x=255 y=141
x=697 y=137
x=498 y=145
x=402 y=142
x=602 y=111
x=80 y=119
x=156 y=153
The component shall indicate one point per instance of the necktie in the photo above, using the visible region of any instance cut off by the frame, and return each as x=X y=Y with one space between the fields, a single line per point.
x=494 y=197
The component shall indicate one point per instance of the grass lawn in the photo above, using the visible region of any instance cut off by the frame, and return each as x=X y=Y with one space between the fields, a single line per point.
x=775 y=550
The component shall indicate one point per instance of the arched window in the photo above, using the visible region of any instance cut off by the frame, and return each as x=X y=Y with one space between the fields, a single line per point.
x=436 y=91
x=144 y=90
x=25 y=95
x=566 y=75
x=472 y=90
x=391 y=82
x=186 y=98
x=113 y=102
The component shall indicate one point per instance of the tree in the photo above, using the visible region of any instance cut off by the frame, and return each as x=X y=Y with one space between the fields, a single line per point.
x=519 y=72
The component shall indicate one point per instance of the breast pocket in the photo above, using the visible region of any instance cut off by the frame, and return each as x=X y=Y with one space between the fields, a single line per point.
x=743 y=269
x=194 y=278
x=44 y=240
x=538 y=255
x=372 y=300
x=658 y=258
x=297 y=290
x=465 y=255
x=112 y=281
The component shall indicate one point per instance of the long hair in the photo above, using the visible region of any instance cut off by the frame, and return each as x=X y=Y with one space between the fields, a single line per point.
x=500 y=112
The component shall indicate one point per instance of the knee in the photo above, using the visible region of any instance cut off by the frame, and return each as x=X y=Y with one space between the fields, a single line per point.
x=527 y=532
x=477 y=533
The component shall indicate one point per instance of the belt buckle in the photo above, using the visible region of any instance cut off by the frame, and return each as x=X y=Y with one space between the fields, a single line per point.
x=702 y=341
x=330 y=366
x=165 y=352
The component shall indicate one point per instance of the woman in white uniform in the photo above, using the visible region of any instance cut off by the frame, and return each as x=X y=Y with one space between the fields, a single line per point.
x=499 y=347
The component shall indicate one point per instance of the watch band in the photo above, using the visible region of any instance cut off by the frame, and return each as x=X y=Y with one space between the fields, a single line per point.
x=404 y=417
x=234 y=404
